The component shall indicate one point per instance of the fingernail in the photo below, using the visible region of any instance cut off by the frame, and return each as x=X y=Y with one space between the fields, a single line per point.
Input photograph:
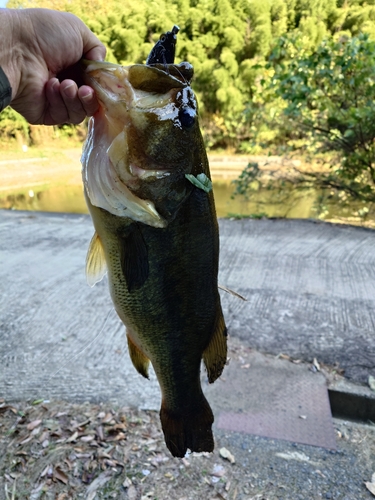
x=56 y=81
x=88 y=96
x=69 y=91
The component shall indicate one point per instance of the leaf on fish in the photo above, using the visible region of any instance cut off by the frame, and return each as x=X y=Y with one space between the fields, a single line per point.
x=201 y=181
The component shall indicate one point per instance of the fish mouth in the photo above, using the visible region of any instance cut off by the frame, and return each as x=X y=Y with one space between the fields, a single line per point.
x=119 y=165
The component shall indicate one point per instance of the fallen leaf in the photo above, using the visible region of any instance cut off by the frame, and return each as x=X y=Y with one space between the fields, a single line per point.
x=107 y=418
x=73 y=437
x=282 y=356
x=295 y=455
x=33 y=425
x=60 y=475
x=103 y=478
x=127 y=483
x=316 y=364
x=132 y=493
x=100 y=432
x=227 y=455
x=37 y=402
x=87 y=439
x=4 y=408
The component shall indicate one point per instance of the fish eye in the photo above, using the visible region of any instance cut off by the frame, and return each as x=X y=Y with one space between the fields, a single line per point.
x=186 y=117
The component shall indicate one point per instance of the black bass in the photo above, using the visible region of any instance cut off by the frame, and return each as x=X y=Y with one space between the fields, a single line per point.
x=146 y=181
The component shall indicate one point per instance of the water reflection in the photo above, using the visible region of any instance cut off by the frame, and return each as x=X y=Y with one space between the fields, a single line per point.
x=270 y=203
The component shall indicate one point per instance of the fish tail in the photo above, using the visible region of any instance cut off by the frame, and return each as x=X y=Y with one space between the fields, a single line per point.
x=140 y=361
x=192 y=431
x=215 y=354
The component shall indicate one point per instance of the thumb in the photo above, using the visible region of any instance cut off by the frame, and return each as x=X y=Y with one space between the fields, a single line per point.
x=93 y=48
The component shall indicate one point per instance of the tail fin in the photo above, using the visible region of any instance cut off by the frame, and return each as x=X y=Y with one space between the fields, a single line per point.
x=191 y=431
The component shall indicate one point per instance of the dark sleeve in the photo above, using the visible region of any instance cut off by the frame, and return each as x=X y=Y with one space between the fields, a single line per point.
x=5 y=90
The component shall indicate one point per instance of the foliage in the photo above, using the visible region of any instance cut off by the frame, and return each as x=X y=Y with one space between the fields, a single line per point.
x=13 y=125
x=236 y=48
x=329 y=94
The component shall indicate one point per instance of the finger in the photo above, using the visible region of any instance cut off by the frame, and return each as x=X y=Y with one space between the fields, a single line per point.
x=56 y=112
x=69 y=94
x=88 y=100
x=96 y=53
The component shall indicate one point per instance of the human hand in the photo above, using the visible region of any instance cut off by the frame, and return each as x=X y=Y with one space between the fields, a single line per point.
x=43 y=44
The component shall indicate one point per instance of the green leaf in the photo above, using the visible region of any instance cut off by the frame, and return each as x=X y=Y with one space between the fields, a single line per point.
x=37 y=402
x=201 y=181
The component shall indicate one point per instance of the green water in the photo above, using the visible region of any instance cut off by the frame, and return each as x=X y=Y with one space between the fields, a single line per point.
x=287 y=203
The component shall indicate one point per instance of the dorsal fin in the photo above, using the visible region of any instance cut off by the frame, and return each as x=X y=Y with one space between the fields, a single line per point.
x=96 y=266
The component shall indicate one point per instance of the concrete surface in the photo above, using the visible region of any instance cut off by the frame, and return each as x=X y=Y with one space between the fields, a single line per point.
x=310 y=289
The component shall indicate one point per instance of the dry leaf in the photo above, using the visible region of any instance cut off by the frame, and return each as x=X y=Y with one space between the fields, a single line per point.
x=132 y=493
x=316 y=364
x=32 y=425
x=103 y=478
x=73 y=437
x=127 y=483
x=60 y=475
x=227 y=455
x=87 y=439
x=100 y=432
x=107 y=418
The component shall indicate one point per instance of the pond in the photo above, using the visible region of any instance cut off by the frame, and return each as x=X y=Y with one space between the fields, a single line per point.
x=287 y=203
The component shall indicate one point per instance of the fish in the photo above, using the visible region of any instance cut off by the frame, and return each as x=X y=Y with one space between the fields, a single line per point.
x=148 y=189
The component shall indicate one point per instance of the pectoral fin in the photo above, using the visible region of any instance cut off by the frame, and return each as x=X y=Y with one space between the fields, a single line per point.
x=96 y=266
x=134 y=258
x=215 y=354
x=139 y=360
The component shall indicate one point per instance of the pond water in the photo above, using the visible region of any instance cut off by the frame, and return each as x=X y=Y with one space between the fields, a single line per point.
x=286 y=203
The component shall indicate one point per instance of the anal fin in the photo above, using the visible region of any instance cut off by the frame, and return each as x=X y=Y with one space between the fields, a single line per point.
x=139 y=360
x=215 y=354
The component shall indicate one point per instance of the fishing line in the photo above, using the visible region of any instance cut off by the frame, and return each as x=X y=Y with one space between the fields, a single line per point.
x=82 y=350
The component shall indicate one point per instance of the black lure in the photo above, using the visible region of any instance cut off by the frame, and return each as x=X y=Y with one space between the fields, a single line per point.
x=163 y=51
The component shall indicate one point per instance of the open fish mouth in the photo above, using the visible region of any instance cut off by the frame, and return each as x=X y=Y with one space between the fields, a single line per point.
x=132 y=138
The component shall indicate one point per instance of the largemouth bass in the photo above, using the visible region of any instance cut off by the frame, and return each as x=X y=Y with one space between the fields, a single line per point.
x=156 y=234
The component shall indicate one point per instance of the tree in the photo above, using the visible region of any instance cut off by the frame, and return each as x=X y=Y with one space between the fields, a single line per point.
x=329 y=94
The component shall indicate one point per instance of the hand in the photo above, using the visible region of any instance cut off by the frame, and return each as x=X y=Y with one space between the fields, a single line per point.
x=43 y=44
